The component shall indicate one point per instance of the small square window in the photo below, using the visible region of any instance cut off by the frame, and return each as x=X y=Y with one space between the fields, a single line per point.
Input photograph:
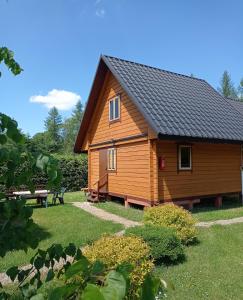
x=114 y=109
x=111 y=159
x=185 y=157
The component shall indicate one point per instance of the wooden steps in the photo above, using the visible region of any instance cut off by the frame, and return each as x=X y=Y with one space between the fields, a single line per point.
x=95 y=197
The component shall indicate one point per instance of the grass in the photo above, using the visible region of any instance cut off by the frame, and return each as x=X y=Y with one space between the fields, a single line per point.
x=62 y=224
x=231 y=208
x=214 y=267
x=130 y=213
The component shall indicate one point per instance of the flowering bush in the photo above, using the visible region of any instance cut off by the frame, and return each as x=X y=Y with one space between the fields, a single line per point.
x=115 y=250
x=170 y=215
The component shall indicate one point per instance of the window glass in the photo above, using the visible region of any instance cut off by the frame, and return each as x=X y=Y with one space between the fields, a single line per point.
x=111 y=110
x=111 y=159
x=114 y=109
x=185 y=157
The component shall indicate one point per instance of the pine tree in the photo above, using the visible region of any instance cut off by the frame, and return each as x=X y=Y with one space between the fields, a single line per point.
x=227 y=88
x=240 y=90
x=71 y=127
x=53 y=125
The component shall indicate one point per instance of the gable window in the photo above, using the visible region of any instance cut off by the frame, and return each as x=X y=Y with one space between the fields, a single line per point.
x=185 y=157
x=111 y=159
x=114 y=108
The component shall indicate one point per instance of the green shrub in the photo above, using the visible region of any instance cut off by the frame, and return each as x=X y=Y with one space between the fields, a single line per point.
x=170 y=215
x=74 y=170
x=115 y=250
x=164 y=244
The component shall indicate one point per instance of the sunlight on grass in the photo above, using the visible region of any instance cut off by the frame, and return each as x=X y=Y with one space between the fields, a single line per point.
x=213 y=269
x=62 y=224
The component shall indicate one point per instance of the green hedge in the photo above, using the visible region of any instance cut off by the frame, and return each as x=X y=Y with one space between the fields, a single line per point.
x=74 y=171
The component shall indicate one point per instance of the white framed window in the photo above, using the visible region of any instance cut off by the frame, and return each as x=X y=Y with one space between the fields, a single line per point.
x=111 y=159
x=185 y=157
x=114 y=108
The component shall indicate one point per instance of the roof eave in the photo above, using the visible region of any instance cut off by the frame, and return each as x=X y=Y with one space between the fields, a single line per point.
x=181 y=138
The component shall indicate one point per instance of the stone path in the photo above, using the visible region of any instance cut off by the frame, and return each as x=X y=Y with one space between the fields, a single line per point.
x=220 y=222
x=102 y=214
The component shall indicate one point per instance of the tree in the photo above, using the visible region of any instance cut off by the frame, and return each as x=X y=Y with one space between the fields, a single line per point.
x=53 y=125
x=7 y=56
x=71 y=127
x=240 y=90
x=227 y=88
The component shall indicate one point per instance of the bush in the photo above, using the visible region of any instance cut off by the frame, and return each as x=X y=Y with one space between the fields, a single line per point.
x=74 y=170
x=170 y=215
x=115 y=250
x=164 y=244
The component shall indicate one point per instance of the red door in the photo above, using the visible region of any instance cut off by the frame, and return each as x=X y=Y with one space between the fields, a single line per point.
x=103 y=176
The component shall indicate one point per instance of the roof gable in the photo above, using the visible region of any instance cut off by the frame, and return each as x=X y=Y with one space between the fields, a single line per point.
x=174 y=105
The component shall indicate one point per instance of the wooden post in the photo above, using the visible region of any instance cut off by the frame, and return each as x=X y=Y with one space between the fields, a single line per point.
x=218 y=202
x=127 y=205
x=190 y=205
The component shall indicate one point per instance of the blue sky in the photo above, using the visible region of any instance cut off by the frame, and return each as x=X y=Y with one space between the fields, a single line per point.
x=58 y=44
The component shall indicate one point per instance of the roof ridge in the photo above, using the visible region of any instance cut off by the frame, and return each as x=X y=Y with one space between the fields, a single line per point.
x=154 y=68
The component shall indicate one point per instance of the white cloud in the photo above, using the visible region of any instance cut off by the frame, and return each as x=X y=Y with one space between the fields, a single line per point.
x=97 y=2
x=100 y=12
x=62 y=100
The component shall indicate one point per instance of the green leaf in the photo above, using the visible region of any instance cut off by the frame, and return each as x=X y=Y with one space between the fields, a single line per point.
x=3 y=139
x=92 y=292
x=150 y=287
x=12 y=272
x=63 y=292
x=70 y=249
x=37 y=297
x=80 y=266
x=114 y=282
x=98 y=267
x=50 y=275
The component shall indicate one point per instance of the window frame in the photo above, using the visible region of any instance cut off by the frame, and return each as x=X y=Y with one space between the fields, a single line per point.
x=180 y=168
x=113 y=101
x=113 y=162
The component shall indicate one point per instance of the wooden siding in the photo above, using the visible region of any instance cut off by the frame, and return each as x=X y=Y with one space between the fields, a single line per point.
x=215 y=170
x=131 y=121
x=132 y=174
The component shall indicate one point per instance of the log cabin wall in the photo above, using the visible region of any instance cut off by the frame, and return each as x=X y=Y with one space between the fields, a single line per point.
x=215 y=171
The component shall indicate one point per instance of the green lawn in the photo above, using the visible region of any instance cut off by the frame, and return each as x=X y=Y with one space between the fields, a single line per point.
x=231 y=209
x=130 y=213
x=213 y=269
x=62 y=224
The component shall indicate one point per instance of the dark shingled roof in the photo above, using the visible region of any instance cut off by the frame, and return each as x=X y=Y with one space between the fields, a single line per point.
x=178 y=105
x=175 y=106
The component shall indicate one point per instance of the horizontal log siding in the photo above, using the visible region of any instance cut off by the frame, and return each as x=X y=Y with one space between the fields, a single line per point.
x=131 y=121
x=215 y=170
x=132 y=176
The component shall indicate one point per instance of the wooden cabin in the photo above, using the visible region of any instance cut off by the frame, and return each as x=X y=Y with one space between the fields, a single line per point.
x=154 y=136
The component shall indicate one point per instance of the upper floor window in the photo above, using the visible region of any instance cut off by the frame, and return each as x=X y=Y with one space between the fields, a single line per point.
x=185 y=157
x=114 y=108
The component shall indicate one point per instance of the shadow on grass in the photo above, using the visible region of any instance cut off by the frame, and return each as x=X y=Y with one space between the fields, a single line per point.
x=27 y=239
x=207 y=205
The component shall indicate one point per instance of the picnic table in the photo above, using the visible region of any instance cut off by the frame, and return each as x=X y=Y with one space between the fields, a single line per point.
x=39 y=195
